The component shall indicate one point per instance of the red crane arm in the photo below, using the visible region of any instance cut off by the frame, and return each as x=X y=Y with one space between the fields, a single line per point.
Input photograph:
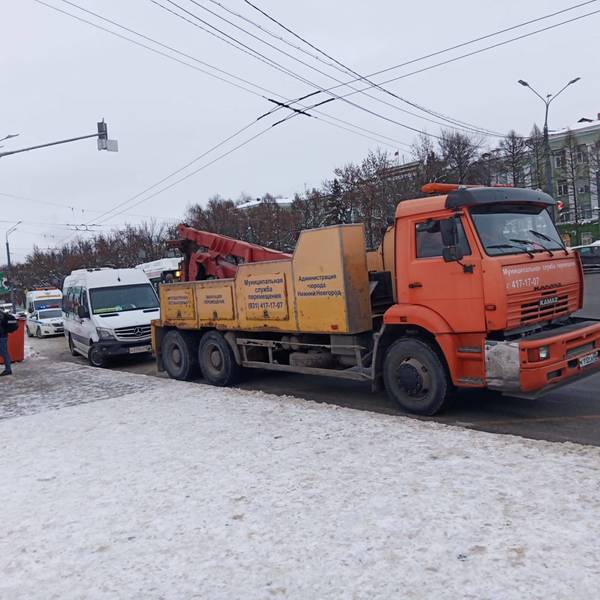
x=209 y=254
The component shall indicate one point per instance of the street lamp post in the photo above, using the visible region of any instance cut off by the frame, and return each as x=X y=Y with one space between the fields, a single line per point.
x=8 y=263
x=547 y=101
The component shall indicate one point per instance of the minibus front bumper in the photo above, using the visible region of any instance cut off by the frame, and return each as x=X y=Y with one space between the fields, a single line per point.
x=119 y=348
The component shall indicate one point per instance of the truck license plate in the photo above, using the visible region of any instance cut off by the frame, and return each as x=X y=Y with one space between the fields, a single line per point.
x=588 y=359
x=140 y=349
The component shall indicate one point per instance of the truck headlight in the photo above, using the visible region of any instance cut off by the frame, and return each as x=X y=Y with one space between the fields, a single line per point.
x=105 y=334
x=544 y=352
x=538 y=354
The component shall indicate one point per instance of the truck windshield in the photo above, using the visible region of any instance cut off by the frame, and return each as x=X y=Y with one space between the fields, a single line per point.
x=50 y=314
x=515 y=229
x=121 y=298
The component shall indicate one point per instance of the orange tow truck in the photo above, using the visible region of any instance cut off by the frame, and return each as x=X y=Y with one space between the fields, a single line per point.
x=471 y=287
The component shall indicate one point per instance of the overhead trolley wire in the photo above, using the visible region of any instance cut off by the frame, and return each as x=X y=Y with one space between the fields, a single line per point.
x=341 y=67
x=372 y=134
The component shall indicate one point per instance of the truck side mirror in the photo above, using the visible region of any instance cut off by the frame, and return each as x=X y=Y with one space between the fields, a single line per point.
x=451 y=252
x=83 y=312
x=449 y=231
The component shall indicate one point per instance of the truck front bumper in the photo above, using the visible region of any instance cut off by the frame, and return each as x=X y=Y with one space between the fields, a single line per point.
x=539 y=363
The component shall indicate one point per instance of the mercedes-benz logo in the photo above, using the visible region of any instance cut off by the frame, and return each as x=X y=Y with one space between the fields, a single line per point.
x=138 y=332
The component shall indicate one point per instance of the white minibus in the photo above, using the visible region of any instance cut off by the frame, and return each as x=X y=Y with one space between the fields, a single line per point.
x=107 y=312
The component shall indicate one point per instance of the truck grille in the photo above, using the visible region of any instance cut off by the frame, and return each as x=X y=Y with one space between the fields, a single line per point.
x=139 y=332
x=531 y=307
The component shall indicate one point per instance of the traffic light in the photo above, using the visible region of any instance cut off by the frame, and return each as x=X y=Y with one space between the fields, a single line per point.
x=103 y=142
x=102 y=130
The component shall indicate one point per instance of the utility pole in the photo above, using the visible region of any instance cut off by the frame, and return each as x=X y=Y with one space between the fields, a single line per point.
x=103 y=142
x=9 y=265
x=547 y=101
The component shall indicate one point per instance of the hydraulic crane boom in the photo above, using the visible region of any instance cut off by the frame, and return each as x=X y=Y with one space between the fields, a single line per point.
x=212 y=256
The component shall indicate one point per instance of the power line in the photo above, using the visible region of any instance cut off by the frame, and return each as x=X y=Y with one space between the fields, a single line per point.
x=186 y=64
x=292 y=73
x=469 y=42
x=64 y=206
x=493 y=46
x=206 y=165
x=165 y=55
x=341 y=67
x=116 y=34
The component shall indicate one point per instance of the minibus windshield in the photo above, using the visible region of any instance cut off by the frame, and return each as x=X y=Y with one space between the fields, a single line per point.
x=122 y=298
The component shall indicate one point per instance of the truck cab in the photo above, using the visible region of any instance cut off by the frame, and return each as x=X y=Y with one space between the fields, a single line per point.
x=484 y=270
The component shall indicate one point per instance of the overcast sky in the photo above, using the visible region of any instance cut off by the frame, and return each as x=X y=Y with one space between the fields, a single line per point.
x=59 y=76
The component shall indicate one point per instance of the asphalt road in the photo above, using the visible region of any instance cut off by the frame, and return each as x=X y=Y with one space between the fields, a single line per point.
x=570 y=414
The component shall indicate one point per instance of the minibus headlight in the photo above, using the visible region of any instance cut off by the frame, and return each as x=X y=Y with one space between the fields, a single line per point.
x=105 y=334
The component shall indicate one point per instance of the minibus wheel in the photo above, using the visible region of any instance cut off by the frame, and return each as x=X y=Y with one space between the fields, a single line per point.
x=95 y=357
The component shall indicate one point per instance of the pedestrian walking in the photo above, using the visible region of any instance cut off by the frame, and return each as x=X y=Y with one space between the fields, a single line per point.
x=5 y=329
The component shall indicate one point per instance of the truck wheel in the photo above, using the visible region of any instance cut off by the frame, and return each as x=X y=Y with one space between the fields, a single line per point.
x=179 y=355
x=96 y=358
x=217 y=361
x=415 y=377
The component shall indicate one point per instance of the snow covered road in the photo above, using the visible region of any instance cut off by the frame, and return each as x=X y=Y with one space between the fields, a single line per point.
x=162 y=489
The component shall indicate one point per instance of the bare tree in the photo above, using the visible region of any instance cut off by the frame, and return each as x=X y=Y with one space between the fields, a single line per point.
x=460 y=153
x=514 y=157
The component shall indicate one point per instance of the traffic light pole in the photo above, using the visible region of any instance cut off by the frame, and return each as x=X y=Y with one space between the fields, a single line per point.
x=83 y=137
x=102 y=136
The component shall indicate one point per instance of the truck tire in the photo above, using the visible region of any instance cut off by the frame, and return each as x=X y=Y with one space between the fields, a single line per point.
x=415 y=377
x=217 y=361
x=179 y=355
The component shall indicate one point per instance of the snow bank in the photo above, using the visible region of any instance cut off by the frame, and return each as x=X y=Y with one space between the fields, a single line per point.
x=184 y=490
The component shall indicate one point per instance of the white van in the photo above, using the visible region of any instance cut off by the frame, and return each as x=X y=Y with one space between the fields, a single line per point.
x=164 y=270
x=42 y=299
x=107 y=312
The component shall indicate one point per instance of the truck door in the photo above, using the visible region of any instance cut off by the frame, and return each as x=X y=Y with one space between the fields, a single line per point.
x=454 y=290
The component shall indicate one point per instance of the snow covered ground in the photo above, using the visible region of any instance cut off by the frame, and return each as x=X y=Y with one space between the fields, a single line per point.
x=162 y=489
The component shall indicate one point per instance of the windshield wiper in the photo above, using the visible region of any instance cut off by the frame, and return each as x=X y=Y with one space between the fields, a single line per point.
x=543 y=236
x=512 y=246
x=530 y=242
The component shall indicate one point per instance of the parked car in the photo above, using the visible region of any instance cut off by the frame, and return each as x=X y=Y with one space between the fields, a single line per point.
x=42 y=323
x=590 y=256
